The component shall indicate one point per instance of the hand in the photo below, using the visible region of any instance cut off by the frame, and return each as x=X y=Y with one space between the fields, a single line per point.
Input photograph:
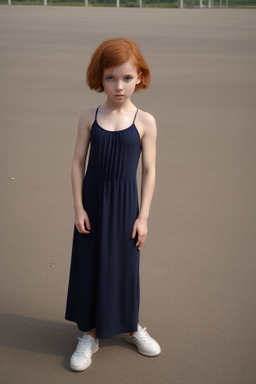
x=140 y=228
x=82 y=221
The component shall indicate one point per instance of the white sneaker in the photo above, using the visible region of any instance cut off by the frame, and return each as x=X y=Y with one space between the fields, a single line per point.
x=144 y=342
x=82 y=357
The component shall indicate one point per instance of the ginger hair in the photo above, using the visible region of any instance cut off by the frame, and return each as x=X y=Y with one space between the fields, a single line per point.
x=113 y=53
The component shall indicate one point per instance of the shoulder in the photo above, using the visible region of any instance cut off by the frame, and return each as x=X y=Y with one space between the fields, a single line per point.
x=86 y=118
x=146 y=118
x=146 y=124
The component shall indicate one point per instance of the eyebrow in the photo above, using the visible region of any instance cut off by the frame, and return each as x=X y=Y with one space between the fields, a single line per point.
x=111 y=74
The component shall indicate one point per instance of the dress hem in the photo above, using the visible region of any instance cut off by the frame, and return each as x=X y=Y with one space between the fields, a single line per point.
x=108 y=336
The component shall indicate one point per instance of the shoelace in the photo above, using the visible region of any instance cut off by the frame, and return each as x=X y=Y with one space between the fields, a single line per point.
x=84 y=346
x=143 y=335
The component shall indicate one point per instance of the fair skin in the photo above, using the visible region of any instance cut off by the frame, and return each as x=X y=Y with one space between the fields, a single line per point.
x=117 y=113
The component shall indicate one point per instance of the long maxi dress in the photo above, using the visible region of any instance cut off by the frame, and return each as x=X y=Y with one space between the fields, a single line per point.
x=104 y=287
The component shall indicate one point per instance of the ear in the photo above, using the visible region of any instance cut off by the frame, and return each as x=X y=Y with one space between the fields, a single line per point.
x=139 y=79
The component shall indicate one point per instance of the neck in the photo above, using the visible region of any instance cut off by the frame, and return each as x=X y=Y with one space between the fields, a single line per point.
x=126 y=106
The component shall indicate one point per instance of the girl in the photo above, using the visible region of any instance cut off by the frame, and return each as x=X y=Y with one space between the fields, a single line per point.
x=110 y=229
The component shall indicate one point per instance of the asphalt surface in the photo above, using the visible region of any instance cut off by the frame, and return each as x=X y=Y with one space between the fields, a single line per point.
x=198 y=264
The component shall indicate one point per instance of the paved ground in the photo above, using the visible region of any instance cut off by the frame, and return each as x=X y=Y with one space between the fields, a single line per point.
x=198 y=265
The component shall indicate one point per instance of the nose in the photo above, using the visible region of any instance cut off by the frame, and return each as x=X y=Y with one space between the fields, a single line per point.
x=119 y=86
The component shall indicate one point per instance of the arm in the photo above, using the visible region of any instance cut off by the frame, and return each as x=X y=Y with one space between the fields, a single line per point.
x=82 y=222
x=148 y=179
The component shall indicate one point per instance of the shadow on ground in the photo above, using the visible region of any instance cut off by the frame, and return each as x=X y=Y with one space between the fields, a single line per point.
x=45 y=336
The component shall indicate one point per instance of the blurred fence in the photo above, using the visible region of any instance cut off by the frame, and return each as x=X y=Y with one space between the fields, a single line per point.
x=141 y=3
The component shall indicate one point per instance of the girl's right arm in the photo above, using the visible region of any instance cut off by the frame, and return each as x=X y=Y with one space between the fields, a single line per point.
x=82 y=221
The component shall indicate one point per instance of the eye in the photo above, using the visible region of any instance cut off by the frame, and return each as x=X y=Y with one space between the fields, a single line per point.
x=128 y=78
x=109 y=78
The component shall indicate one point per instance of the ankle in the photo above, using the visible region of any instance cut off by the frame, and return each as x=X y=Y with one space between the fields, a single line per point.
x=133 y=333
x=92 y=333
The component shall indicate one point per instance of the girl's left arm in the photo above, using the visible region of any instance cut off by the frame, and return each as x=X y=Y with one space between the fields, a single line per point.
x=148 y=142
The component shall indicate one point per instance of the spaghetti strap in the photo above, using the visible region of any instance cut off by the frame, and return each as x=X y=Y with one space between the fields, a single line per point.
x=135 y=116
x=96 y=113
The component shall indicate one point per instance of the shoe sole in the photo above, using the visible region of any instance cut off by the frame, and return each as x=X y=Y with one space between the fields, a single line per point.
x=79 y=369
x=142 y=352
x=148 y=354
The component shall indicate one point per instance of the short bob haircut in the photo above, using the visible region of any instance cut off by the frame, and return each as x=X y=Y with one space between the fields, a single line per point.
x=113 y=53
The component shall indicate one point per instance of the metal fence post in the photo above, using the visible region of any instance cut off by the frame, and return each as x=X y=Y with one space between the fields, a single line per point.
x=181 y=3
x=86 y=3
x=45 y=2
x=117 y=3
x=9 y=2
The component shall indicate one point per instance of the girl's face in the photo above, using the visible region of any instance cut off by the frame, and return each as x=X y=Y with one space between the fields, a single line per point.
x=119 y=82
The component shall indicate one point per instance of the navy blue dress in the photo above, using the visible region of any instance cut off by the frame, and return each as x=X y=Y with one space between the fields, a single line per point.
x=104 y=291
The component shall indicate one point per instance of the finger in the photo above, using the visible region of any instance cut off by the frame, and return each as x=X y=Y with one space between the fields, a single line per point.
x=87 y=223
x=81 y=229
x=133 y=232
x=141 y=241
